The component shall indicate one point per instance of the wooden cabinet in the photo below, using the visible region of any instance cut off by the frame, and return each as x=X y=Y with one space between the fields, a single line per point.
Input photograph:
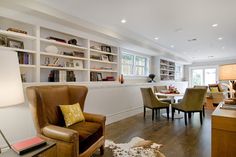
x=223 y=133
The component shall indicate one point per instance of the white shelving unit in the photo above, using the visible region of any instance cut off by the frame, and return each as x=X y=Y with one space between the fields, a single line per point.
x=37 y=64
x=167 y=70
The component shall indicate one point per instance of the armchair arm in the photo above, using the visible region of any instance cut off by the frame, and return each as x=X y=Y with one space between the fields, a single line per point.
x=60 y=133
x=94 y=118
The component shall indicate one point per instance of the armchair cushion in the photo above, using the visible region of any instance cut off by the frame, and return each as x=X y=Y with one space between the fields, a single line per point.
x=88 y=132
x=214 y=89
x=72 y=114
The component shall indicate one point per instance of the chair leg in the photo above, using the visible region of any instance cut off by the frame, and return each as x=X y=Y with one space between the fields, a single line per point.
x=203 y=109
x=167 y=112
x=153 y=114
x=200 y=117
x=185 y=118
x=144 y=112
x=189 y=115
x=178 y=112
x=172 y=113
x=102 y=149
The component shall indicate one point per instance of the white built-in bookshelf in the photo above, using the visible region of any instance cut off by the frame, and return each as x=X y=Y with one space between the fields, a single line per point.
x=45 y=59
x=167 y=70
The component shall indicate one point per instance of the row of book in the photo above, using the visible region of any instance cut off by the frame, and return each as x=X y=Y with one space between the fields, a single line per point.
x=25 y=58
x=61 y=76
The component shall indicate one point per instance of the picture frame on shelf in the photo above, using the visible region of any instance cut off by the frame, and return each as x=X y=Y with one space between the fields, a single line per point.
x=99 y=76
x=103 y=48
x=110 y=58
x=78 y=64
x=3 y=40
x=69 y=64
x=108 y=49
x=104 y=58
x=15 y=43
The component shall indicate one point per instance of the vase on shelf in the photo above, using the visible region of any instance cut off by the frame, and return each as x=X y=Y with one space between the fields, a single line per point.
x=121 y=79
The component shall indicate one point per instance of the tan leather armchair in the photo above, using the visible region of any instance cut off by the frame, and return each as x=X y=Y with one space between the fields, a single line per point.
x=217 y=93
x=78 y=140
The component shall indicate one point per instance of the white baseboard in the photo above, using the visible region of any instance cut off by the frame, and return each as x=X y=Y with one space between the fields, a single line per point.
x=111 y=118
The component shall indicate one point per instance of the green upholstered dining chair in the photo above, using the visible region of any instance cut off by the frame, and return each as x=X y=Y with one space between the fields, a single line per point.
x=192 y=101
x=151 y=101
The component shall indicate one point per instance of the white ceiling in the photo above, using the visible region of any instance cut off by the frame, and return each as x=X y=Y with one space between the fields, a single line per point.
x=174 y=22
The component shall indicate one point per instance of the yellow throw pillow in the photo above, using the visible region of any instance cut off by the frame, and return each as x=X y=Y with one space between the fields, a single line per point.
x=214 y=89
x=72 y=114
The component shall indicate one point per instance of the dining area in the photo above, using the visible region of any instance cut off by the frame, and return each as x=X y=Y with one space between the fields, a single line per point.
x=176 y=104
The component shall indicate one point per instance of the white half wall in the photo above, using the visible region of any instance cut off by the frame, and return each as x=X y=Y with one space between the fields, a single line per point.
x=116 y=101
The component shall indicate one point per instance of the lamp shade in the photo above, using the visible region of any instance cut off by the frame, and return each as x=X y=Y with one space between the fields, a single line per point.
x=228 y=72
x=11 y=91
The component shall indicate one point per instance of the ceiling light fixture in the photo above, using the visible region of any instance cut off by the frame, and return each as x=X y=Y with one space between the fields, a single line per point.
x=220 y=38
x=172 y=46
x=123 y=21
x=214 y=25
x=156 y=38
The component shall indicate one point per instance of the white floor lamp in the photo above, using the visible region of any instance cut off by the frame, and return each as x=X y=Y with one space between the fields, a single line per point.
x=11 y=91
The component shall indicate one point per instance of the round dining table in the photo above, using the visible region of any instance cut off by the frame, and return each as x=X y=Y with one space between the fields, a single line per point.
x=172 y=96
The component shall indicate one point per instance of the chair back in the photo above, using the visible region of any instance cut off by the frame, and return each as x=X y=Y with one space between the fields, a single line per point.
x=194 y=99
x=149 y=98
x=158 y=89
x=44 y=102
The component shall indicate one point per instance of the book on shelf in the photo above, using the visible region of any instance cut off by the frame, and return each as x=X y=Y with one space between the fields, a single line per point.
x=61 y=76
x=28 y=145
x=25 y=58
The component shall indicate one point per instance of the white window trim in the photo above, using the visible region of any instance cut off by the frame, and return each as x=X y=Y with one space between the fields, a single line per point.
x=147 y=70
x=203 y=67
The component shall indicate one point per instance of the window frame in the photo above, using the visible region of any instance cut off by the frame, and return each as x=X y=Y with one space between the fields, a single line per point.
x=203 y=68
x=146 y=67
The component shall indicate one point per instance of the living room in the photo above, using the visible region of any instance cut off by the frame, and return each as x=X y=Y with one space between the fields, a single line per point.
x=115 y=49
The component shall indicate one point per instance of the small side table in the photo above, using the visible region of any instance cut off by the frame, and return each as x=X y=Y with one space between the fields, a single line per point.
x=49 y=150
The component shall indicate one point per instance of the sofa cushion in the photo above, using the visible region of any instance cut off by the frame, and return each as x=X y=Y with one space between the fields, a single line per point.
x=72 y=114
x=89 y=133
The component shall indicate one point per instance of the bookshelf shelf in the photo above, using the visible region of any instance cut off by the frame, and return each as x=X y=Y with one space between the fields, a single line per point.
x=62 y=44
x=16 y=49
x=102 y=70
x=100 y=61
x=62 y=68
x=27 y=66
x=62 y=56
x=18 y=35
x=102 y=52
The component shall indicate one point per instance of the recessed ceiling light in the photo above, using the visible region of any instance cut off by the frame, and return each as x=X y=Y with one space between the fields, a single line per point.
x=156 y=38
x=214 y=25
x=223 y=47
x=210 y=56
x=123 y=21
x=172 y=46
x=220 y=38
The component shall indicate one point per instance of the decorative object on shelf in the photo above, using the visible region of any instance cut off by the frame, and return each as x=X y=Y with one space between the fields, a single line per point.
x=95 y=57
x=69 y=64
x=96 y=48
x=78 y=64
x=227 y=73
x=110 y=58
x=72 y=42
x=51 y=49
x=78 y=54
x=104 y=58
x=11 y=91
x=3 y=40
x=56 y=39
x=106 y=48
x=68 y=53
x=70 y=76
x=46 y=61
x=16 y=30
x=93 y=76
x=15 y=43
x=151 y=76
x=109 y=78
x=121 y=78
x=23 y=77
x=99 y=76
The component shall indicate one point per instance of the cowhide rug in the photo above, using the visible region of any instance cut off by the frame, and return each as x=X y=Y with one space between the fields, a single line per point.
x=137 y=147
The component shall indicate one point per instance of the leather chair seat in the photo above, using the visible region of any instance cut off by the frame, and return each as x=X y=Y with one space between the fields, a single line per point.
x=89 y=132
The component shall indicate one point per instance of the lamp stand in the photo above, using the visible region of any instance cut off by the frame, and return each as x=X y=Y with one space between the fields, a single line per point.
x=5 y=139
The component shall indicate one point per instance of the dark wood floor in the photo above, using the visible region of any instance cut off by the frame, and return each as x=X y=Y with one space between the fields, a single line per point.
x=178 y=140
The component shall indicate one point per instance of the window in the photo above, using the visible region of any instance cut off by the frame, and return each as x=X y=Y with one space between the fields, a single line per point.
x=134 y=65
x=203 y=76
